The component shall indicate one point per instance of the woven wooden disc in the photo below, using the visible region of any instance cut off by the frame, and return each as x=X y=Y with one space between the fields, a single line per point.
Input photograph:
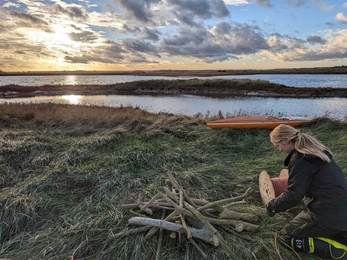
x=265 y=187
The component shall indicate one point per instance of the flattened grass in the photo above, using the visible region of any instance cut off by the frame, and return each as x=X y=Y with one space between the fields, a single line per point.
x=65 y=169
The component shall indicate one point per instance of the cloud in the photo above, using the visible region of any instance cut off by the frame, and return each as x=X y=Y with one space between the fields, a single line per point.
x=313 y=39
x=151 y=34
x=341 y=17
x=203 y=9
x=219 y=43
x=24 y=19
x=170 y=12
x=345 y=5
x=9 y=4
x=86 y=36
x=323 y=6
x=264 y=3
x=335 y=47
x=154 y=32
x=137 y=45
x=73 y=12
x=295 y=3
x=141 y=10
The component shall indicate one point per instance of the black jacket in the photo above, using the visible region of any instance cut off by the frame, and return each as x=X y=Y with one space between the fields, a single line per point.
x=322 y=185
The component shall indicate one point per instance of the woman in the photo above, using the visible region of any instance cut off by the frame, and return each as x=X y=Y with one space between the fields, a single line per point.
x=319 y=181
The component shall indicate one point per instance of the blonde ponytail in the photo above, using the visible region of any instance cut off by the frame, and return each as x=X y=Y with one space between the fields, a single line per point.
x=303 y=143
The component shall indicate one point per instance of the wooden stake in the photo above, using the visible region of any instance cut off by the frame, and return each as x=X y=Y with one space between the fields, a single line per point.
x=160 y=239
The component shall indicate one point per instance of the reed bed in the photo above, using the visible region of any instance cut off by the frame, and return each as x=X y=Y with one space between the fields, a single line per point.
x=65 y=169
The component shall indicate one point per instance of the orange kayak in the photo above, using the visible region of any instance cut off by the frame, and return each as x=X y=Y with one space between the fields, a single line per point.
x=257 y=122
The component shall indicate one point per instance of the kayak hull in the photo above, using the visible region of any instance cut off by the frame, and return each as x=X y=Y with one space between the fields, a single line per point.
x=245 y=122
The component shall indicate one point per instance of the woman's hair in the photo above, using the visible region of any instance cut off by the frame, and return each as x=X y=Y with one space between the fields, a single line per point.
x=303 y=143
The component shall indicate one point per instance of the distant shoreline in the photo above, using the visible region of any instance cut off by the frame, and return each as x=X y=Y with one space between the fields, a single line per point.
x=193 y=73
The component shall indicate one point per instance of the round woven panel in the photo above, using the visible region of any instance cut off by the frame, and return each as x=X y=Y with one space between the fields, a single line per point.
x=265 y=187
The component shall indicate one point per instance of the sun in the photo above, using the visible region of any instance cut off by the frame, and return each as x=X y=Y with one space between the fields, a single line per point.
x=60 y=39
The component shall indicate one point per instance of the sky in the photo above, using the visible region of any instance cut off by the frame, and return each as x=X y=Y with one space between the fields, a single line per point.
x=123 y=35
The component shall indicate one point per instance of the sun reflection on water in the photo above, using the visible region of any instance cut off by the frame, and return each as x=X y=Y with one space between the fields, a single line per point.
x=73 y=99
x=71 y=80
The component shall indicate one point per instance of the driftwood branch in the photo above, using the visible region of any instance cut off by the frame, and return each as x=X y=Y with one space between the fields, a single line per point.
x=128 y=232
x=203 y=234
x=160 y=240
x=189 y=234
x=217 y=203
x=230 y=214
x=238 y=224
x=214 y=231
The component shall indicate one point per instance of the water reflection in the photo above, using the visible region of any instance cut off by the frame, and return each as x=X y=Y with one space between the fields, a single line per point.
x=207 y=106
x=72 y=99
x=70 y=80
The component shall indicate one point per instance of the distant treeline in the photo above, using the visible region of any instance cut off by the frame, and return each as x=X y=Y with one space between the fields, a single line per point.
x=202 y=73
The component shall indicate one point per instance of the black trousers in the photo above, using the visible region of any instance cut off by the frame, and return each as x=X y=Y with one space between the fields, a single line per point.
x=302 y=226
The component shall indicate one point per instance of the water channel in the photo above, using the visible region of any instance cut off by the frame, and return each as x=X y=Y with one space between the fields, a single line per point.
x=197 y=105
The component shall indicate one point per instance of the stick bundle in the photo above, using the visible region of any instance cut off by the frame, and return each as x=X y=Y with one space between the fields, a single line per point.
x=202 y=216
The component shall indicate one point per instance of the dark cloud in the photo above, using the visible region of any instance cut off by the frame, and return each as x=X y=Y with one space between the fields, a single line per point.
x=203 y=9
x=186 y=36
x=85 y=36
x=222 y=42
x=179 y=11
x=243 y=39
x=113 y=50
x=88 y=59
x=25 y=19
x=141 y=10
x=137 y=45
x=186 y=18
x=295 y=3
x=77 y=59
x=313 y=39
x=146 y=33
x=73 y=12
x=151 y=34
x=264 y=3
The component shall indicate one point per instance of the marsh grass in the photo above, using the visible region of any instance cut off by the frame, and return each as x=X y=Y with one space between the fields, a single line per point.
x=196 y=84
x=64 y=170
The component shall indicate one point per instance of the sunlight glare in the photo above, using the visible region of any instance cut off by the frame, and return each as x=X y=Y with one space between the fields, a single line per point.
x=70 y=80
x=72 y=99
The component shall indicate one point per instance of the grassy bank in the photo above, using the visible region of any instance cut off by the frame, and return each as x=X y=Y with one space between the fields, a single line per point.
x=206 y=87
x=65 y=169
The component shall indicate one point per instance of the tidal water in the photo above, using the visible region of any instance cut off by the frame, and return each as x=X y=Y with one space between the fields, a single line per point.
x=198 y=105
x=290 y=80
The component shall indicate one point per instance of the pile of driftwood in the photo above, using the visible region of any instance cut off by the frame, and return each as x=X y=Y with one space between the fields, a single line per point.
x=195 y=218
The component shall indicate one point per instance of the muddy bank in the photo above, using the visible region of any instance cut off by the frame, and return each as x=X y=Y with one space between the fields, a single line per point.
x=199 y=87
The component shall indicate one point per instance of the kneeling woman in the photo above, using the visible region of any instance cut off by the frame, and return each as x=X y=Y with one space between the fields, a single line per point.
x=320 y=182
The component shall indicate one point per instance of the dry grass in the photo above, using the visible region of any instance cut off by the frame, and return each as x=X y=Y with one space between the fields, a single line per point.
x=64 y=169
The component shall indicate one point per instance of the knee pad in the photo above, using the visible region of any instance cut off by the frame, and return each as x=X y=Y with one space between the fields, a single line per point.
x=320 y=246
